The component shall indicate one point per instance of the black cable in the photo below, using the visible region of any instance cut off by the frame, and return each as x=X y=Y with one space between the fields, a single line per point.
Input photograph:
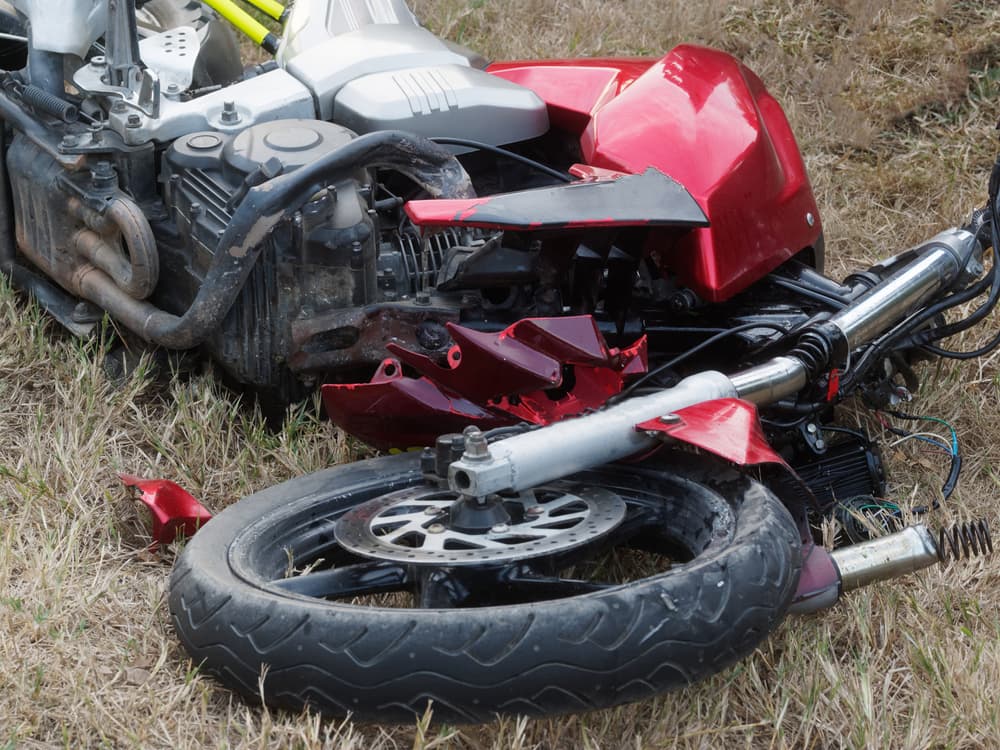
x=980 y=313
x=480 y=146
x=878 y=347
x=986 y=348
x=919 y=318
x=694 y=350
x=815 y=294
x=977 y=315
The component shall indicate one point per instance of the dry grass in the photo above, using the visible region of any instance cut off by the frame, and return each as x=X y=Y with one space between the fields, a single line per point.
x=894 y=104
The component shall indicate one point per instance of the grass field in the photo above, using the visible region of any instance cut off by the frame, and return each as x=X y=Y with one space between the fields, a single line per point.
x=895 y=105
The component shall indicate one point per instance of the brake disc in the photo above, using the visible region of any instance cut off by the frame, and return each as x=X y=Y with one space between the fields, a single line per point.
x=414 y=526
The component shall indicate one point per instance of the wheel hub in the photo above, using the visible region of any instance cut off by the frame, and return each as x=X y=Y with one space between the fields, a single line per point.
x=415 y=525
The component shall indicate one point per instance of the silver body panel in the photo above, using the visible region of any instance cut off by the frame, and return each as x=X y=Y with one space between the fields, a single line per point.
x=371 y=66
x=314 y=22
x=272 y=96
x=446 y=100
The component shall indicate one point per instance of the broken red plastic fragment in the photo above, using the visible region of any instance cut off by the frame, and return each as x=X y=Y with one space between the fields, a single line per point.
x=393 y=411
x=727 y=427
x=174 y=510
x=538 y=370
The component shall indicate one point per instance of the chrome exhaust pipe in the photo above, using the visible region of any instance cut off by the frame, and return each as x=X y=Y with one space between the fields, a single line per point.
x=826 y=576
x=885 y=557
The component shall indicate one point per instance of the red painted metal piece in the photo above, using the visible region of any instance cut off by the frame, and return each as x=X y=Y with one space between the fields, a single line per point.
x=704 y=119
x=393 y=411
x=538 y=370
x=647 y=199
x=727 y=427
x=484 y=367
x=174 y=511
x=833 y=385
x=573 y=89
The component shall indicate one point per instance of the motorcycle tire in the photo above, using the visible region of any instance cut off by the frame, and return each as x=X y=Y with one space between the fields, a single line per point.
x=626 y=642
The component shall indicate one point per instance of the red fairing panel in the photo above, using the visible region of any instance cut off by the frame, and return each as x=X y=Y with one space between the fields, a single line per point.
x=488 y=379
x=704 y=119
x=727 y=427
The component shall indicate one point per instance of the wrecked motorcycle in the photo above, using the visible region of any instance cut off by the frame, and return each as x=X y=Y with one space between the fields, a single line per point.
x=593 y=289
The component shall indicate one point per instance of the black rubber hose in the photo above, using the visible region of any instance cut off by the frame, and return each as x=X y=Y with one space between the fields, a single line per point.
x=513 y=155
x=431 y=166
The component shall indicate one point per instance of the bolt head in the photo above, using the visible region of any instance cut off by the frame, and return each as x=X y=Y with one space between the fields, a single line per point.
x=669 y=419
x=534 y=510
x=173 y=88
x=810 y=219
x=811 y=428
x=432 y=511
x=500 y=528
x=133 y=121
x=119 y=107
x=435 y=528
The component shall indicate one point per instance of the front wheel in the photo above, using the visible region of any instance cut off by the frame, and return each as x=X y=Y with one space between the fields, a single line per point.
x=360 y=589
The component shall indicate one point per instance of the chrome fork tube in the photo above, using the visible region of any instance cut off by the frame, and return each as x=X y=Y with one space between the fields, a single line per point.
x=872 y=314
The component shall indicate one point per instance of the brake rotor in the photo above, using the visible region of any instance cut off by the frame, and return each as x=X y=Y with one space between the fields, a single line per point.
x=413 y=526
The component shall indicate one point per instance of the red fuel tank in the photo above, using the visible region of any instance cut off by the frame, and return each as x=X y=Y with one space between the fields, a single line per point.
x=703 y=118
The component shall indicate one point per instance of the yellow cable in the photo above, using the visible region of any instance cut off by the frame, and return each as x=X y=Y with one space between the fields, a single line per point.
x=245 y=23
x=274 y=9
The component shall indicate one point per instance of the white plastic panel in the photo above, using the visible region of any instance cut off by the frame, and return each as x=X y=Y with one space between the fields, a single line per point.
x=446 y=100
x=67 y=26
x=329 y=66
x=313 y=22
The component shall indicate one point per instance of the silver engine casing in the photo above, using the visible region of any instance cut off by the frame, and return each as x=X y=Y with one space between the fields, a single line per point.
x=371 y=66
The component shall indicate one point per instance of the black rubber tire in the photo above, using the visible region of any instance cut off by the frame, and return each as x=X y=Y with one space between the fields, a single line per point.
x=219 y=59
x=566 y=655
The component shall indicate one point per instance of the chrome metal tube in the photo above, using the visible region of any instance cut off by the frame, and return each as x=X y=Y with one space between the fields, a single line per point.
x=771 y=381
x=891 y=300
x=889 y=556
x=533 y=458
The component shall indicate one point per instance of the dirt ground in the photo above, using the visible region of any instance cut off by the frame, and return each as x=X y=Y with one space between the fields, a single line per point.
x=895 y=106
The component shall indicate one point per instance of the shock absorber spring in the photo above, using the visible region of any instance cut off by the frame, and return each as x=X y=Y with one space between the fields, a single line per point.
x=964 y=540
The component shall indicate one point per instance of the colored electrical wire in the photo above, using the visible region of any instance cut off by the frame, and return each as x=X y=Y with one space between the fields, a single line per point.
x=954 y=470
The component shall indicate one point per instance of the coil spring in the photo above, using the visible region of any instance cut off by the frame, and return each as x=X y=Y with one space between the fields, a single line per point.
x=965 y=540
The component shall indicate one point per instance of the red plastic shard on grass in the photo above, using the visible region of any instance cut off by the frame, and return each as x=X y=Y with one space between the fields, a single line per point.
x=174 y=510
